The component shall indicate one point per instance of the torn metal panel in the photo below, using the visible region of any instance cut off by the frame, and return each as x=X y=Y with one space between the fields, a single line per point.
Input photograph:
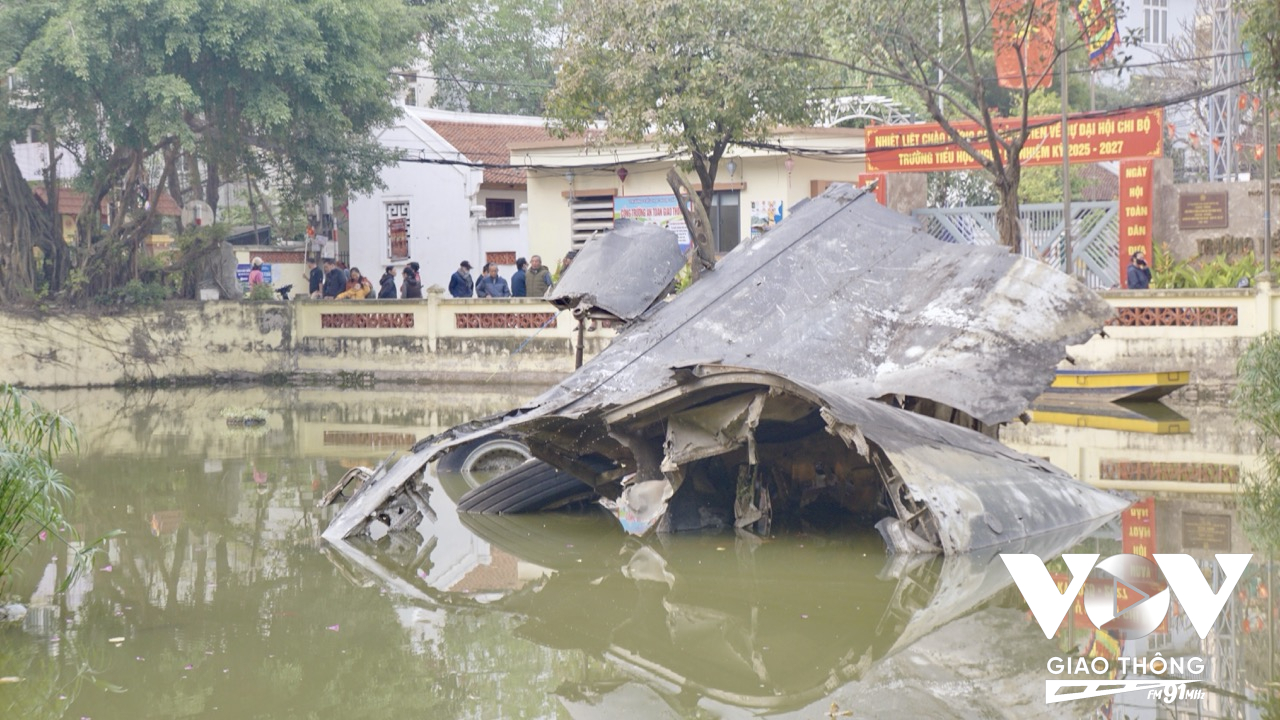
x=979 y=492
x=710 y=430
x=845 y=292
x=843 y=303
x=621 y=272
x=641 y=505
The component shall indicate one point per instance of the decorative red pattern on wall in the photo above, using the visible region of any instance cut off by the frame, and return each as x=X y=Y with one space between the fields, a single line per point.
x=1172 y=471
x=485 y=321
x=501 y=258
x=282 y=256
x=345 y=321
x=369 y=439
x=1171 y=317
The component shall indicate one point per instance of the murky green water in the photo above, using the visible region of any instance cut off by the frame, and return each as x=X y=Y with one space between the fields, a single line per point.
x=220 y=601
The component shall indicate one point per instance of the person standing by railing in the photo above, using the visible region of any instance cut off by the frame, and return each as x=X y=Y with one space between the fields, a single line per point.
x=387 y=284
x=490 y=285
x=461 y=284
x=538 y=279
x=517 y=280
x=1139 y=275
x=412 y=286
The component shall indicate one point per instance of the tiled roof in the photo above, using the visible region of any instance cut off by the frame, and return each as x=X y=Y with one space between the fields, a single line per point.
x=488 y=143
x=70 y=202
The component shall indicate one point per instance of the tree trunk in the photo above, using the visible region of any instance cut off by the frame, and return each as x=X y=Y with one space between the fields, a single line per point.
x=24 y=226
x=212 y=182
x=1007 y=223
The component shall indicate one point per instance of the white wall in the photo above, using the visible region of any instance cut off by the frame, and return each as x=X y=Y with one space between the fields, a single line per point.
x=1181 y=17
x=441 y=231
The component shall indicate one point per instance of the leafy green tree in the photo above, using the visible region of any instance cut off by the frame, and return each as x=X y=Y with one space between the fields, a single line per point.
x=182 y=95
x=688 y=76
x=494 y=56
x=1262 y=35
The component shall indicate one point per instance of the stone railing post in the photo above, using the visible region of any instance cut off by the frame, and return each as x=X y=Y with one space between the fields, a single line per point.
x=1266 y=316
x=434 y=293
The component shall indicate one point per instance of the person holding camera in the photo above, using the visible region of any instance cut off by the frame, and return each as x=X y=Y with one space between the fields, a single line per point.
x=1139 y=276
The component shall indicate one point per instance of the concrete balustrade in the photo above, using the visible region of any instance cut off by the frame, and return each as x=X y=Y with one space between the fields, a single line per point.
x=508 y=340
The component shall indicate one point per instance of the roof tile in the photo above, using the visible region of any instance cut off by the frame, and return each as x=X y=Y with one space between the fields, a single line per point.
x=489 y=143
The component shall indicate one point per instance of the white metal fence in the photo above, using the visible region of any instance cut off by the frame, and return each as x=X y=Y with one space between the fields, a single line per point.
x=1095 y=234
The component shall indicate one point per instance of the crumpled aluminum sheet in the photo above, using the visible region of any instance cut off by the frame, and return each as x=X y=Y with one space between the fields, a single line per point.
x=622 y=271
x=848 y=293
x=856 y=302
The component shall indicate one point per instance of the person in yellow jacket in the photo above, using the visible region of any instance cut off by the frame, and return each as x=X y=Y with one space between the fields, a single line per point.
x=358 y=286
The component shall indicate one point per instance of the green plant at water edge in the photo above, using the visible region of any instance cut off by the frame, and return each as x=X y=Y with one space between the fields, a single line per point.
x=31 y=490
x=135 y=294
x=261 y=292
x=1257 y=401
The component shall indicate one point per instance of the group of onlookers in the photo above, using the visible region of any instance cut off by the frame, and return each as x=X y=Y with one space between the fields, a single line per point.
x=335 y=281
x=531 y=279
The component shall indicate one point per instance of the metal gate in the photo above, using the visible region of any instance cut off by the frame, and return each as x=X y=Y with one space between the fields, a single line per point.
x=1095 y=234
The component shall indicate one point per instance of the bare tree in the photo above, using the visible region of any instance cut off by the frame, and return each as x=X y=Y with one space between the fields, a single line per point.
x=942 y=53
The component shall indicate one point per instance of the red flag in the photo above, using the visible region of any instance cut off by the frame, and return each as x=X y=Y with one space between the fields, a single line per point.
x=1023 y=33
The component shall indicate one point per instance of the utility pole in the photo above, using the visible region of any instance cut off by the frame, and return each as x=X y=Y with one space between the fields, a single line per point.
x=1266 y=180
x=1066 y=160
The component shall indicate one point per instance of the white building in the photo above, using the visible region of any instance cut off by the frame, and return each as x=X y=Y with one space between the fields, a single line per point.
x=437 y=208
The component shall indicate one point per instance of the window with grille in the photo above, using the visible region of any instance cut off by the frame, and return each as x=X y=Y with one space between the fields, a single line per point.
x=398 y=230
x=1155 y=22
x=589 y=214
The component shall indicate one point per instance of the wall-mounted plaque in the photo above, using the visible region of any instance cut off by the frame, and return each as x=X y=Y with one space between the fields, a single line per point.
x=1198 y=211
x=1201 y=531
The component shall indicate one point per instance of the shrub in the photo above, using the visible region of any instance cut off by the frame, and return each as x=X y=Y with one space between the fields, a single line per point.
x=31 y=490
x=262 y=292
x=1257 y=401
x=135 y=294
x=1198 y=272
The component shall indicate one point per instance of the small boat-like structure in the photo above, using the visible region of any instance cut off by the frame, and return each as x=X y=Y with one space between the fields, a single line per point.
x=843 y=363
x=1119 y=385
x=1154 y=418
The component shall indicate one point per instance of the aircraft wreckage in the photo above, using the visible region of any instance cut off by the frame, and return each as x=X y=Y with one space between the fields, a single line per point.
x=845 y=362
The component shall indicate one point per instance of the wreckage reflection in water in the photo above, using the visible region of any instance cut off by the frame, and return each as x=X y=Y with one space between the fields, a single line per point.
x=217 y=602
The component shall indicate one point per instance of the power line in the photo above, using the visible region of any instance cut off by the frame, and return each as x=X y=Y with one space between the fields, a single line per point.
x=417 y=157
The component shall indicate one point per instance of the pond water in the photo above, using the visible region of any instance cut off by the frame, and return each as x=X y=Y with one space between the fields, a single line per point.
x=220 y=600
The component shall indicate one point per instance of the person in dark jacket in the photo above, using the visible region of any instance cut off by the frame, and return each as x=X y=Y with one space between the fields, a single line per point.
x=517 y=280
x=315 y=278
x=461 y=285
x=1139 y=275
x=335 y=281
x=412 y=286
x=490 y=285
x=387 y=284
x=538 y=279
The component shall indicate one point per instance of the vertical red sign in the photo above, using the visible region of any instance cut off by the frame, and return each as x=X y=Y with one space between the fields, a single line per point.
x=1135 y=211
x=1138 y=528
x=1023 y=32
x=865 y=179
